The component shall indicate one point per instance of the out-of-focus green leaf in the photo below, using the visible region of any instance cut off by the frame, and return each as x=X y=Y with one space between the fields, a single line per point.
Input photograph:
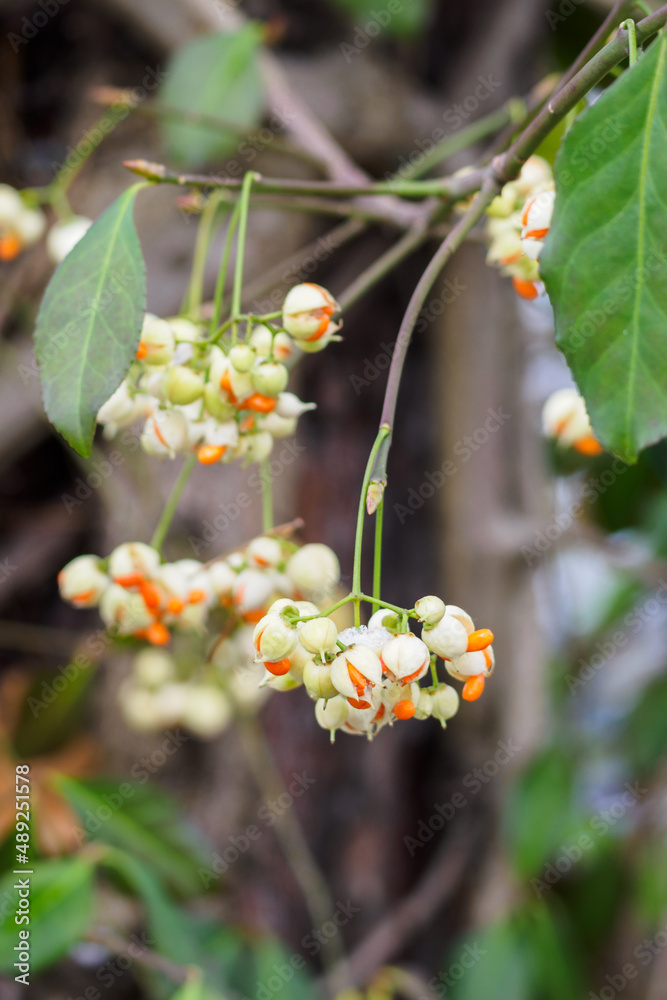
x=494 y=963
x=61 y=904
x=605 y=263
x=142 y=820
x=391 y=17
x=650 y=888
x=217 y=76
x=51 y=713
x=89 y=322
x=645 y=741
x=557 y=968
x=541 y=814
x=169 y=925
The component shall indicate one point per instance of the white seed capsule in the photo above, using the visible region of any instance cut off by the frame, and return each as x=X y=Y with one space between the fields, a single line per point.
x=332 y=713
x=64 y=235
x=314 y=570
x=430 y=610
x=444 y=702
x=308 y=311
x=207 y=711
x=405 y=657
x=156 y=346
x=448 y=639
x=270 y=378
x=242 y=357
x=355 y=671
x=183 y=385
x=317 y=680
x=133 y=558
x=82 y=582
x=318 y=635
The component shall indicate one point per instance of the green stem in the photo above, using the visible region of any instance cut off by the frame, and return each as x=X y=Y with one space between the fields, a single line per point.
x=356 y=571
x=377 y=551
x=434 y=672
x=167 y=517
x=222 y=273
x=193 y=298
x=629 y=26
x=267 y=496
x=244 y=202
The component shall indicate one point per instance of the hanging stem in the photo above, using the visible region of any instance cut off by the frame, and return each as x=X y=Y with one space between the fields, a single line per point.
x=377 y=551
x=195 y=292
x=629 y=26
x=244 y=202
x=356 y=572
x=222 y=273
x=267 y=496
x=164 y=523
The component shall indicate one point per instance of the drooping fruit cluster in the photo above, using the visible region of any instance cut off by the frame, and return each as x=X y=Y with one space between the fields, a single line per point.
x=564 y=418
x=139 y=595
x=223 y=400
x=519 y=220
x=367 y=677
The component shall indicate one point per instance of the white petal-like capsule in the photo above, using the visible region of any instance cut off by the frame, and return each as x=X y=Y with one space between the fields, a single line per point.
x=448 y=639
x=365 y=672
x=308 y=310
x=318 y=635
x=314 y=570
x=405 y=657
x=133 y=559
x=82 y=582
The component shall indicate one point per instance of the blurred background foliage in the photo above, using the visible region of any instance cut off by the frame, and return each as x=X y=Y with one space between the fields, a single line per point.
x=549 y=882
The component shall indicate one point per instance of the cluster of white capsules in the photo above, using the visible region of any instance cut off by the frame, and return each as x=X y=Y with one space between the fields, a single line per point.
x=367 y=677
x=519 y=220
x=220 y=401
x=138 y=595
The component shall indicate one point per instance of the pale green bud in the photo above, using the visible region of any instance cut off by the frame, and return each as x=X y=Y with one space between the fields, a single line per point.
x=184 y=386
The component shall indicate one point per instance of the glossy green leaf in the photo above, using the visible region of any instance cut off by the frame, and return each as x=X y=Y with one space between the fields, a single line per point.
x=605 y=259
x=89 y=323
x=217 y=77
x=61 y=904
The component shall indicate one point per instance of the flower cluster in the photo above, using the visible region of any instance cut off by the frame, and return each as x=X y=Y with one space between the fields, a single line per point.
x=139 y=595
x=366 y=677
x=565 y=419
x=519 y=220
x=222 y=401
x=20 y=225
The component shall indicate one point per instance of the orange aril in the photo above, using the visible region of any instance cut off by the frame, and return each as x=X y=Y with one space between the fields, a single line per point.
x=526 y=289
x=258 y=403
x=473 y=688
x=278 y=669
x=158 y=634
x=404 y=709
x=480 y=639
x=209 y=454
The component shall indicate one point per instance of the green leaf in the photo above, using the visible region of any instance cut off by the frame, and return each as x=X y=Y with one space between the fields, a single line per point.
x=168 y=924
x=495 y=962
x=218 y=77
x=144 y=822
x=61 y=904
x=645 y=737
x=89 y=323
x=542 y=814
x=604 y=262
x=392 y=17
